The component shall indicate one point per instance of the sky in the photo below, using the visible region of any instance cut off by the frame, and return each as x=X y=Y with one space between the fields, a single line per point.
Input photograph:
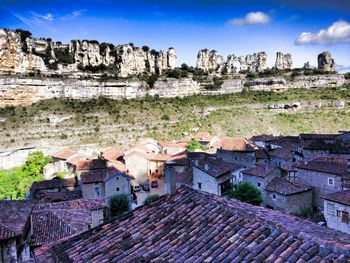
x=303 y=28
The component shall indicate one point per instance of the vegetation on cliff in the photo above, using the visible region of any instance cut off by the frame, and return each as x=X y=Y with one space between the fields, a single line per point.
x=15 y=183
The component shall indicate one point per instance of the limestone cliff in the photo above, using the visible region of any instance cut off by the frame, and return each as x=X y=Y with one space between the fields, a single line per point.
x=326 y=62
x=256 y=62
x=20 y=53
x=209 y=60
x=283 y=61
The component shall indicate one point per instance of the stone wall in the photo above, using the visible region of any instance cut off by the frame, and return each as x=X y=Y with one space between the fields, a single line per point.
x=208 y=183
x=334 y=220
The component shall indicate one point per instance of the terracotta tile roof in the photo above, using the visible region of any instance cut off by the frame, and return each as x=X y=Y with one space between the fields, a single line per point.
x=14 y=217
x=173 y=144
x=54 y=183
x=342 y=197
x=52 y=222
x=193 y=226
x=283 y=186
x=285 y=152
x=167 y=157
x=62 y=195
x=324 y=167
x=113 y=155
x=91 y=164
x=235 y=144
x=98 y=176
x=64 y=154
x=203 y=136
x=259 y=170
x=216 y=167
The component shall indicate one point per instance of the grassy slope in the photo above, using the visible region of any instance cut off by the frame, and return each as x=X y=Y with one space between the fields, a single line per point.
x=108 y=121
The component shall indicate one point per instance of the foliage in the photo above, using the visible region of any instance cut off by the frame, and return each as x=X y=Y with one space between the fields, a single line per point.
x=165 y=117
x=245 y=192
x=63 y=56
x=195 y=145
x=24 y=35
x=176 y=73
x=15 y=183
x=150 y=79
x=347 y=75
x=60 y=175
x=145 y=48
x=151 y=199
x=217 y=83
x=118 y=204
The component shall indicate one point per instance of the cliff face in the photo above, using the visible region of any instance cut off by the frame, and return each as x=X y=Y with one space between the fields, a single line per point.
x=19 y=53
x=283 y=61
x=209 y=60
x=326 y=62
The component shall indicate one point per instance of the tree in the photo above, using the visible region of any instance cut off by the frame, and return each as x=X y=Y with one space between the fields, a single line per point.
x=151 y=199
x=245 y=192
x=195 y=145
x=118 y=203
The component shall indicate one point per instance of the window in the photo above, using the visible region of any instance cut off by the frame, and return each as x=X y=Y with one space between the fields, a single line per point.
x=345 y=217
x=199 y=186
x=96 y=191
x=338 y=213
x=330 y=181
x=117 y=178
x=117 y=189
x=259 y=184
x=274 y=196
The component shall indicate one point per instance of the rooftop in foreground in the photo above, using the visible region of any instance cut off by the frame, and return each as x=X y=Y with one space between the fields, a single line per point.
x=193 y=226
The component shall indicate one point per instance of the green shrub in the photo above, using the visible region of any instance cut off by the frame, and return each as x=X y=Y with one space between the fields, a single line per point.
x=245 y=192
x=63 y=56
x=195 y=145
x=151 y=199
x=118 y=204
x=165 y=117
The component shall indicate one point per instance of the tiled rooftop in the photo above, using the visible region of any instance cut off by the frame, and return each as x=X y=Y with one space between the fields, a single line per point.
x=216 y=167
x=54 y=183
x=259 y=170
x=101 y=175
x=193 y=226
x=235 y=144
x=324 y=166
x=342 y=197
x=14 y=217
x=64 y=154
x=285 y=187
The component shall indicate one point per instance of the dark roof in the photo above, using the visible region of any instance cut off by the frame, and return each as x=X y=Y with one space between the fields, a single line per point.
x=101 y=175
x=259 y=170
x=54 y=183
x=193 y=226
x=263 y=138
x=216 y=167
x=339 y=148
x=285 y=152
x=52 y=222
x=14 y=217
x=262 y=153
x=311 y=136
x=285 y=187
x=339 y=197
x=324 y=166
x=315 y=144
x=185 y=177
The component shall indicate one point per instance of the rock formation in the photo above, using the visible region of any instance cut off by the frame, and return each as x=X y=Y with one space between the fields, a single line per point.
x=325 y=61
x=231 y=64
x=210 y=60
x=256 y=62
x=20 y=53
x=283 y=61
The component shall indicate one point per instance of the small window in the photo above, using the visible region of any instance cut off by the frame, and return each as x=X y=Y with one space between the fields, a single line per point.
x=117 y=178
x=259 y=184
x=345 y=217
x=274 y=196
x=117 y=189
x=338 y=213
x=330 y=181
x=97 y=191
x=199 y=186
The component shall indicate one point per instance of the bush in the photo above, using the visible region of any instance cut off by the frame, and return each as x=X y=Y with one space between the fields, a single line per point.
x=151 y=199
x=165 y=117
x=63 y=56
x=118 y=204
x=24 y=35
x=195 y=145
x=145 y=48
x=245 y=192
x=347 y=75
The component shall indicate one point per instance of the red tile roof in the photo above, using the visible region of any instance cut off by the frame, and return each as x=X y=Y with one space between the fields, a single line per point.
x=285 y=152
x=235 y=144
x=101 y=175
x=259 y=170
x=339 y=197
x=285 y=187
x=64 y=154
x=216 y=167
x=113 y=154
x=193 y=226
x=54 y=183
x=324 y=167
x=14 y=218
x=91 y=164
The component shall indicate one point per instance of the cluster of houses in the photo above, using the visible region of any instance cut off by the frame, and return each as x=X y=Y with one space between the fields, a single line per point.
x=295 y=175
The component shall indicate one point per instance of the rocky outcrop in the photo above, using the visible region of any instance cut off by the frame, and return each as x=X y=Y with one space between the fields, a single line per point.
x=20 y=53
x=210 y=60
x=256 y=62
x=283 y=61
x=231 y=64
x=326 y=62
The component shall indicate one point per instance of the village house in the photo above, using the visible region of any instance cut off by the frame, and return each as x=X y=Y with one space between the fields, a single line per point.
x=103 y=184
x=337 y=210
x=283 y=155
x=55 y=190
x=194 y=226
x=288 y=196
x=15 y=227
x=55 y=221
x=262 y=156
x=59 y=164
x=213 y=175
x=237 y=151
x=325 y=175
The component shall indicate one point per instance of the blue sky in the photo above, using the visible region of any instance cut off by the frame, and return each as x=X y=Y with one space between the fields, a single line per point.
x=237 y=26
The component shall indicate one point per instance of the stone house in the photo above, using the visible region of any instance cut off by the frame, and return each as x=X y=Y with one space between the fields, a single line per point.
x=173 y=147
x=213 y=175
x=60 y=163
x=15 y=225
x=237 y=151
x=282 y=156
x=103 y=184
x=337 y=210
x=55 y=190
x=287 y=196
x=262 y=156
x=136 y=162
x=324 y=175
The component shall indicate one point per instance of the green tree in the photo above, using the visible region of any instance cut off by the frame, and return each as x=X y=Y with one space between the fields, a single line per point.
x=195 y=145
x=118 y=204
x=151 y=199
x=245 y=192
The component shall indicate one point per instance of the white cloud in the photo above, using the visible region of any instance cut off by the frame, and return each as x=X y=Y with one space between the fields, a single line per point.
x=338 y=32
x=74 y=14
x=342 y=68
x=252 y=18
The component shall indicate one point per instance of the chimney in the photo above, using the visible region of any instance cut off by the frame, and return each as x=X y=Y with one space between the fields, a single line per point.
x=170 y=180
